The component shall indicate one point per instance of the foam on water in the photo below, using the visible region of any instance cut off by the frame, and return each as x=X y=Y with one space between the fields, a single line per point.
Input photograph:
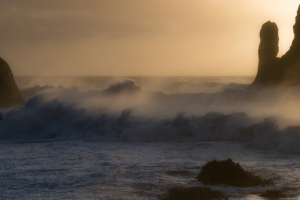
x=118 y=170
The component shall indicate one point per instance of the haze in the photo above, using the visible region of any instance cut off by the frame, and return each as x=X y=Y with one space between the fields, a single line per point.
x=139 y=37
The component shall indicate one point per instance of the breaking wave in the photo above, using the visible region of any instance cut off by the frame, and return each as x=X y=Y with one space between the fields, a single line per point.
x=125 y=111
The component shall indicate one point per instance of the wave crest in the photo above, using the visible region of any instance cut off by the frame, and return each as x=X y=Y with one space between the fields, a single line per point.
x=58 y=120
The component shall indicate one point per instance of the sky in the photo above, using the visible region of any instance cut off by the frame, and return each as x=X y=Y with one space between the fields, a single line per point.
x=139 y=37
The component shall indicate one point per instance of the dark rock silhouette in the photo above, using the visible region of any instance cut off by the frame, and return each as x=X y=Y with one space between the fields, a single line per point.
x=267 y=74
x=273 y=71
x=229 y=173
x=9 y=92
x=193 y=193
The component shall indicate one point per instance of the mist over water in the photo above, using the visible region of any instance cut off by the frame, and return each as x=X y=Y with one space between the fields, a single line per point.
x=137 y=124
x=155 y=109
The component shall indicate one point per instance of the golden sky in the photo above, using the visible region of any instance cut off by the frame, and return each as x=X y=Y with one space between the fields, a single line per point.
x=139 y=37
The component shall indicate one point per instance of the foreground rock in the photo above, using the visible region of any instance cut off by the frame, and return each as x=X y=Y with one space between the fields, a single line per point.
x=9 y=92
x=273 y=71
x=273 y=194
x=228 y=173
x=193 y=193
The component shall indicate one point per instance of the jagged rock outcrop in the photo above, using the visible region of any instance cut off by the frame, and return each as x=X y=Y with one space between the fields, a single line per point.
x=230 y=173
x=273 y=71
x=9 y=93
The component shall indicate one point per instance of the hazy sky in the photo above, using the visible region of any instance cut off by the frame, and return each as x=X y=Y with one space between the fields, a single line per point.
x=139 y=37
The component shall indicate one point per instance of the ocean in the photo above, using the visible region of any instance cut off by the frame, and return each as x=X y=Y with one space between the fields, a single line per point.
x=136 y=137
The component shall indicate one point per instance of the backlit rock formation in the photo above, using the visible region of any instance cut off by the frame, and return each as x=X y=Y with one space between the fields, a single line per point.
x=273 y=71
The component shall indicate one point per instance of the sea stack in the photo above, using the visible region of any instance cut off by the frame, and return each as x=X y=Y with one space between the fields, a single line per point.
x=10 y=95
x=274 y=71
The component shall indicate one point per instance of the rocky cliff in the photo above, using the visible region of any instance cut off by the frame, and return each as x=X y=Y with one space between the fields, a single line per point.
x=9 y=92
x=273 y=71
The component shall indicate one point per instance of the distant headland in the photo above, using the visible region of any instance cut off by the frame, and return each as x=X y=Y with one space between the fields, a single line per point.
x=9 y=92
x=273 y=71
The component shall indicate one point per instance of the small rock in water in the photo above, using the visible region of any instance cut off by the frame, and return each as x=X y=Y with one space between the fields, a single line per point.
x=193 y=193
x=229 y=173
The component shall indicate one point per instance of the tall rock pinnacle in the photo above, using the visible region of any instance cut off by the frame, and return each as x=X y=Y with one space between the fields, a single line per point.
x=273 y=71
x=9 y=92
x=268 y=47
x=267 y=52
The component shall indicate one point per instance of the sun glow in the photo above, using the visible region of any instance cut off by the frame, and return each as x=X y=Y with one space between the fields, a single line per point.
x=285 y=40
x=159 y=37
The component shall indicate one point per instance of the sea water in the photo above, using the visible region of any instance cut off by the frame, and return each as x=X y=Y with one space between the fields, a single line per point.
x=135 y=137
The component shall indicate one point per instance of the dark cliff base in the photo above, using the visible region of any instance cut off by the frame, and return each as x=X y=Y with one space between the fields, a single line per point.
x=273 y=71
x=9 y=92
